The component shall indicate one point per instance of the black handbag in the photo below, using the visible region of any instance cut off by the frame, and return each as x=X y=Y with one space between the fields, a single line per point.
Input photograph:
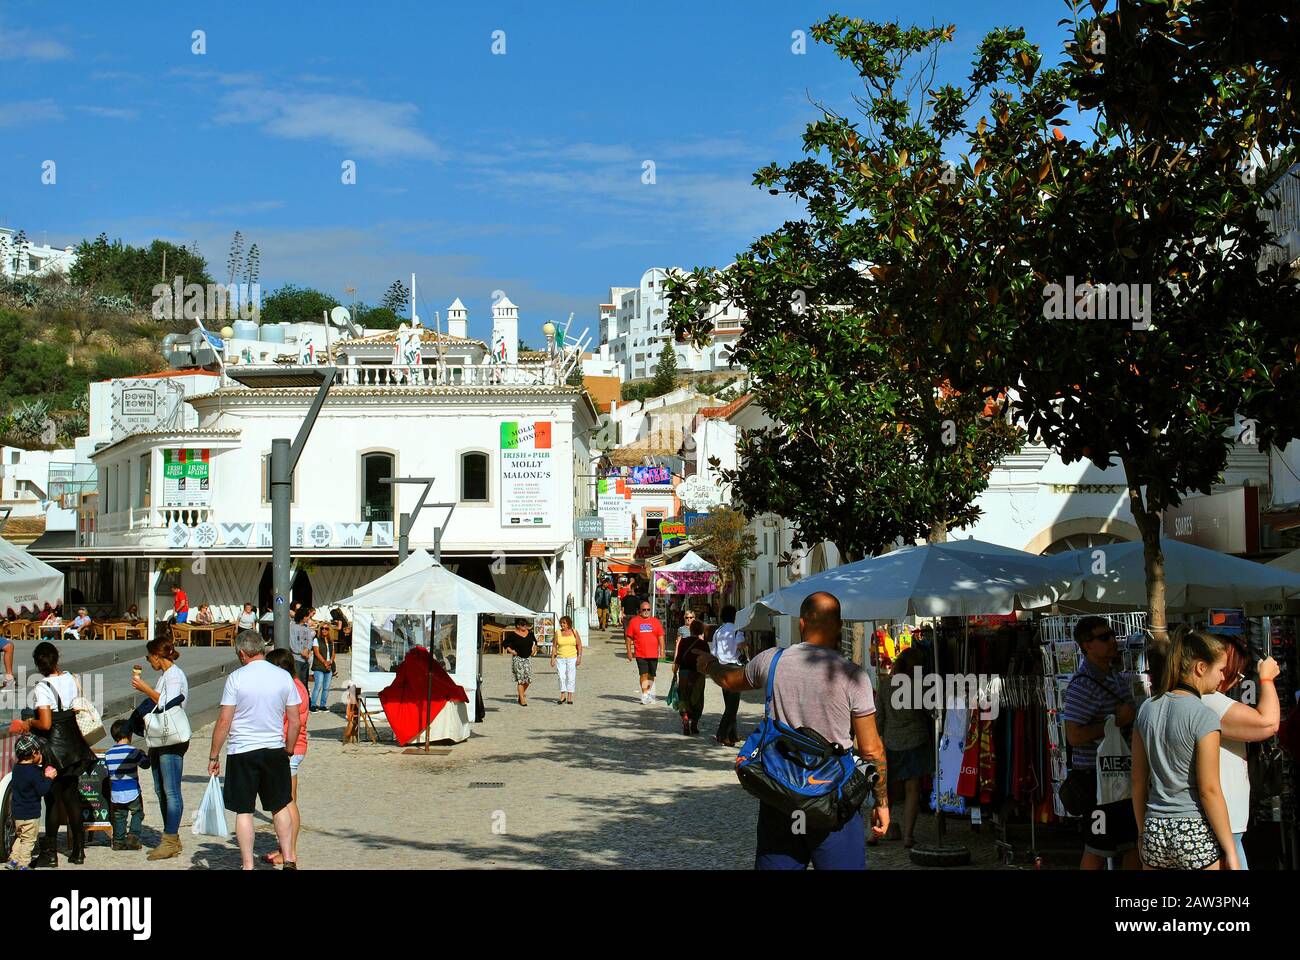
x=65 y=747
x=1078 y=792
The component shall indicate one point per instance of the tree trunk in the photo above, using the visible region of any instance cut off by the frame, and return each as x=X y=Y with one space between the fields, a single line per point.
x=1149 y=523
x=938 y=532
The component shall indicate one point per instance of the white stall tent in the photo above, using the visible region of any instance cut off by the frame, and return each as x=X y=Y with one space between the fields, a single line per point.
x=422 y=603
x=27 y=584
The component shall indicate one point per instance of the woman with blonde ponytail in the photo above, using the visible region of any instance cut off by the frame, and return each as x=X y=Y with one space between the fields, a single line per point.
x=1178 y=799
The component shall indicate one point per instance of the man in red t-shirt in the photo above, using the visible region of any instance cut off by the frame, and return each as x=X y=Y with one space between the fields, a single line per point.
x=181 y=604
x=645 y=641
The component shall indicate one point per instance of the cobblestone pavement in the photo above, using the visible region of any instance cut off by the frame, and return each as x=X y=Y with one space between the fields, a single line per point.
x=608 y=782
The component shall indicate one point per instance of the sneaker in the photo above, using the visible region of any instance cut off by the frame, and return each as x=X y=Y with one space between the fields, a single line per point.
x=645 y=698
x=11 y=865
x=9 y=678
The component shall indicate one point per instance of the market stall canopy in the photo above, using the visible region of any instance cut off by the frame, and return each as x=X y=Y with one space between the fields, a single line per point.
x=692 y=574
x=419 y=585
x=26 y=582
x=1288 y=561
x=957 y=578
x=1114 y=575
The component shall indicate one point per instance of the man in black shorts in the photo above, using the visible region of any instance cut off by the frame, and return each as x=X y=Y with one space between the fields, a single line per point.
x=645 y=641
x=254 y=705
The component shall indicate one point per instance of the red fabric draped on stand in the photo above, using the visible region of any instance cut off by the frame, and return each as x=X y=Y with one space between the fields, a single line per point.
x=406 y=701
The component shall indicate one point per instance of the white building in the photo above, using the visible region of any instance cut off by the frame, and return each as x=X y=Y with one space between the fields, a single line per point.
x=32 y=259
x=505 y=443
x=635 y=326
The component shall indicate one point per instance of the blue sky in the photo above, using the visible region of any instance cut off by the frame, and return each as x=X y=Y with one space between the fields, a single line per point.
x=519 y=172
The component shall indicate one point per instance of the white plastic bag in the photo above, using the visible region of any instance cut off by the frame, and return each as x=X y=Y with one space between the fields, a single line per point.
x=1114 y=766
x=210 y=821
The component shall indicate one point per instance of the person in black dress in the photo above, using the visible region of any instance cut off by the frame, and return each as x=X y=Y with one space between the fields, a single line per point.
x=522 y=643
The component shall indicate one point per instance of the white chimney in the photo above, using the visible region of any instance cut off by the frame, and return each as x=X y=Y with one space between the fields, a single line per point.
x=457 y=320
x=505 y=329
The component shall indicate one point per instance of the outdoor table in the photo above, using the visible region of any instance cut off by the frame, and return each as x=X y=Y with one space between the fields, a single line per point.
x=128 y=631
x=198 y=630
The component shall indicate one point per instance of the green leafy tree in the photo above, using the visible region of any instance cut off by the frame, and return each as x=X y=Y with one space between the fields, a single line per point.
x=665 y=378
x=867 y=325
x=293 y=304
x=397 y=298
x=1158 y=210
x=119 y=269
x=724 y=540
x=381 y=318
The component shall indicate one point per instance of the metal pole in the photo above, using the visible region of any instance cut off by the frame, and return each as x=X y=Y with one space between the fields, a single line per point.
x=403 y=536
x=284 y=457
x=281 y=488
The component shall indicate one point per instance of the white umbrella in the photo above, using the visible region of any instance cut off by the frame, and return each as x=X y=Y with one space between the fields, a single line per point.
x=954 y=579
x=27 y=583
x=691 y=563
x=1195 y=578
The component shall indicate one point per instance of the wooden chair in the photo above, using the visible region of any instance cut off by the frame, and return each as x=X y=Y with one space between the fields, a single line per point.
x=181 y=634
x=491 y=638
x=224 y=633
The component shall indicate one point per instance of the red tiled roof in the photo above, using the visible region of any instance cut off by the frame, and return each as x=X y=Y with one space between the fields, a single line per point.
x=722 y=413
x=188 y=372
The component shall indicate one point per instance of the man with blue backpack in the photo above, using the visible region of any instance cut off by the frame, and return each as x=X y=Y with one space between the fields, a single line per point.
x=799 y=762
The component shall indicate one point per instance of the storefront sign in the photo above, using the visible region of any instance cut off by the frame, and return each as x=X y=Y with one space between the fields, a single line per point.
x=672 y=529
x=527 y=474
x=144 y=406
x=691 y=519
x=186 y=478
x=651 y=475
x=698 y=493
x=1226 y=522
x=616 y=512
x=589 y=528
x=686 y=582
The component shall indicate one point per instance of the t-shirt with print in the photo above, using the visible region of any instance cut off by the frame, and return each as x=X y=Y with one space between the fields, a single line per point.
x=647 y=635
x=1091 y=697
x=815 y=687
x=1170 y=726
x=260 y=692
x=1234 y=769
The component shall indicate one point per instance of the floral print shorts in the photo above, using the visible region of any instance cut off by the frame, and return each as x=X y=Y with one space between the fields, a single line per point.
x=1178 y=843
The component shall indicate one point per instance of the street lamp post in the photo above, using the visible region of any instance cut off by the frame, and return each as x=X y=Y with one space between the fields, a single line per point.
x=284 y=457
x=407 y=520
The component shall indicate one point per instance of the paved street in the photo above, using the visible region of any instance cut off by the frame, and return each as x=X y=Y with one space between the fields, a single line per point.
x=606 y=783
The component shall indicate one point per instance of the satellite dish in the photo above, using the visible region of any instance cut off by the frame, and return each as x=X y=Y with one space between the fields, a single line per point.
x=340 y=316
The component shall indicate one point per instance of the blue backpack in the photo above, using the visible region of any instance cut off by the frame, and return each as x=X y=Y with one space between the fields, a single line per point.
x=800 y=769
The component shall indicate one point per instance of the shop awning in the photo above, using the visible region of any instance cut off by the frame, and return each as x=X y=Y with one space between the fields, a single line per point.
x=60 y=541
x=618 y=566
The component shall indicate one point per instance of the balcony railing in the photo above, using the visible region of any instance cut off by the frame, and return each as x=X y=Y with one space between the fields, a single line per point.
x=450 y=374
x=151 y=518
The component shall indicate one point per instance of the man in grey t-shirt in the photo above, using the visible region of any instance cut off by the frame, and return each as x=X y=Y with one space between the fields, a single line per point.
x=817 y=688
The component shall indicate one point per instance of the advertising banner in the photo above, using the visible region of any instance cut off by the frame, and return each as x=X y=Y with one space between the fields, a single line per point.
x=527 y=474
x=186 y=478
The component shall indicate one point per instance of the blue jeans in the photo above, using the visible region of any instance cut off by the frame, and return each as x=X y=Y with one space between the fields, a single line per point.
x=167 y=782
x=780 y=848
x=320 y=687
x=1241 y=850
x=120 y=811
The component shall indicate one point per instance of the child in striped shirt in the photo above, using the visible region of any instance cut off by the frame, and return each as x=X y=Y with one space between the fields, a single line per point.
x=123 y=760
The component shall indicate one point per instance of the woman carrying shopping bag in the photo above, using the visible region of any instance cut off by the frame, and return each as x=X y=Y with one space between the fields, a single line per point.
x=167 y=759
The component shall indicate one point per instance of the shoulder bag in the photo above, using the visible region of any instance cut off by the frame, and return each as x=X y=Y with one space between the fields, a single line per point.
x=66 y=749
x=166 y=726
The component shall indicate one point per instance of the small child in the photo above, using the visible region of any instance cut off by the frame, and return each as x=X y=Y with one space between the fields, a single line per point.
x=31 y=781
x=122 y=761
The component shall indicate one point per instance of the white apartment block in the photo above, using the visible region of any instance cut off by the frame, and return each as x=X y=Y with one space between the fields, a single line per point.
x=33 y=259
x=634 y=324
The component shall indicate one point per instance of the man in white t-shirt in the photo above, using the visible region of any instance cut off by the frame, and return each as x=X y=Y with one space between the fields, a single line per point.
x=254 y=707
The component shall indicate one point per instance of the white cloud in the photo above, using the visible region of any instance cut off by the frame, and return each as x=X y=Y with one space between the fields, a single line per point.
x=28 y=111
x=362 y=126
x=25 y=45
x=111 y=113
